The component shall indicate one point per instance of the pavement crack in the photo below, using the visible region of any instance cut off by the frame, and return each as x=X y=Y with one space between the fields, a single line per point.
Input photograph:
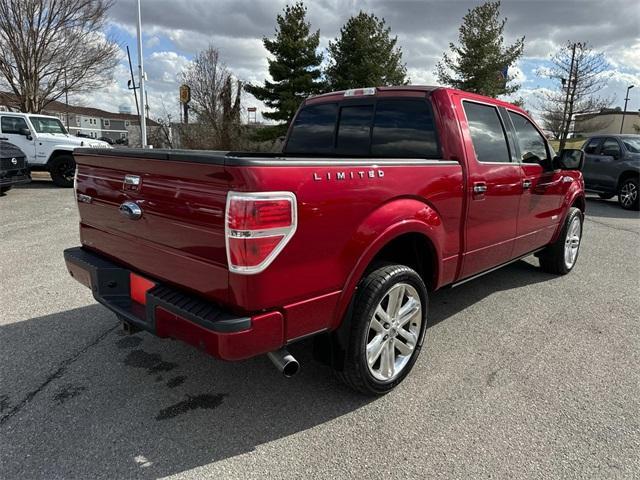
x=611 y=226
x=55 y=375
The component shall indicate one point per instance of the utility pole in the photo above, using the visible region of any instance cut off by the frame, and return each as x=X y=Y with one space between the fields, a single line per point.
x=143 y=122
x=566 y=122
x=624 y=113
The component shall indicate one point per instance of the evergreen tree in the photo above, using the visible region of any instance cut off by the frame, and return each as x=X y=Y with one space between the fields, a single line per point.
x=481 y=61
x=365 y=55
x=295 y=68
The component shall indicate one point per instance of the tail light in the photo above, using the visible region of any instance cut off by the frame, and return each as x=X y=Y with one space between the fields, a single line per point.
x=257 y=228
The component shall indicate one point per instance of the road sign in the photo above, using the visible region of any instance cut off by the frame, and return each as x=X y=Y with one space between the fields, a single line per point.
x=185 y=94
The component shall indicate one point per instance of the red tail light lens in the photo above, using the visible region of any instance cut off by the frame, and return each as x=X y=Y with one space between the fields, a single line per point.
x=258 y=226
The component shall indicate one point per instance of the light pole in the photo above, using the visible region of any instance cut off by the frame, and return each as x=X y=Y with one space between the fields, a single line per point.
x=143 y=119
x=624 y=112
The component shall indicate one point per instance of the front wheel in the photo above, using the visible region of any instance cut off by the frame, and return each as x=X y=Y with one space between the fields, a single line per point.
x=628 y=196
x=387 y=329
x=62 y=170
x=561 y=256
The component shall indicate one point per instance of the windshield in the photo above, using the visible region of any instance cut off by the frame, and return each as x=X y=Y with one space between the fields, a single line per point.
x=48 y=125
x=632 y=144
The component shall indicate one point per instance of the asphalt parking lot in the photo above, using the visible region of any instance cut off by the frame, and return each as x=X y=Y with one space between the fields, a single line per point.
x=523 y=375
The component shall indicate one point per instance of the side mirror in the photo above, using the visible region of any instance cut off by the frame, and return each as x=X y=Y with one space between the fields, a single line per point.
x=569 y=159
x=26 y=132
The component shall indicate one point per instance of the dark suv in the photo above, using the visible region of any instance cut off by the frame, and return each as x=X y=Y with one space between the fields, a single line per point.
x=13 y=166
x=612 y=167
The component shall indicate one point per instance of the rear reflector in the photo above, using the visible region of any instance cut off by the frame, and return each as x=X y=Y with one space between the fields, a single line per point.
x=138 y=288
x=258 y=226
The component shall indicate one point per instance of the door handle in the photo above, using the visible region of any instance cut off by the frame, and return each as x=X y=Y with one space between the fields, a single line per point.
x=479 y=187
x=526 y=184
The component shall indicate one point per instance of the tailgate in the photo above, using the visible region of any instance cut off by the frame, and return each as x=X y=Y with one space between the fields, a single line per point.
x=179 y=235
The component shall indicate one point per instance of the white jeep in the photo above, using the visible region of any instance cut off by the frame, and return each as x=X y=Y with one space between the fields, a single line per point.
x=45 y=143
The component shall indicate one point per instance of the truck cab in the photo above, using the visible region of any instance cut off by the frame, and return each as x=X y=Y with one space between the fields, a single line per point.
x=46 y=144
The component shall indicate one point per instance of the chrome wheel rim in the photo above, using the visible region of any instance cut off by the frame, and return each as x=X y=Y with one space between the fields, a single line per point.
x=393 y=332
x=628 y=194
x=572 y=242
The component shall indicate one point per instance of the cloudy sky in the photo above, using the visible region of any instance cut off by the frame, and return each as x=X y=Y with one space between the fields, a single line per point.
x=174 y=30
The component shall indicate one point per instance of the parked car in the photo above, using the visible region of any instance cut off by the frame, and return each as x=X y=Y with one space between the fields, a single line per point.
x=106 y=140
x=612 y=167
x=13 y=166
x=46 y=144
x=379 y=197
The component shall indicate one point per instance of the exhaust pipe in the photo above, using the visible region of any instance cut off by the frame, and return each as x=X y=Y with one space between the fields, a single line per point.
x=284 y=362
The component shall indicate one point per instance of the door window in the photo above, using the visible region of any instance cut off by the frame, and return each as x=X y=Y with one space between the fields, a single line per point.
x=533 y=147
x=487 y=133
x=592 y=146
x=13 y=125
x=611 y=148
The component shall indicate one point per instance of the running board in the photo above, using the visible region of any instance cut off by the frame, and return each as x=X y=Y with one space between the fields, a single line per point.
x=477 y=275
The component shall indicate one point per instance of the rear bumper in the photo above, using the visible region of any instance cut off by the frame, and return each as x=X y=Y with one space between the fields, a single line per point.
x=169 y=312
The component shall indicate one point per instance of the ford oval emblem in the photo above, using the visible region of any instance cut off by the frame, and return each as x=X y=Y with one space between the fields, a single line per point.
x=131 y=210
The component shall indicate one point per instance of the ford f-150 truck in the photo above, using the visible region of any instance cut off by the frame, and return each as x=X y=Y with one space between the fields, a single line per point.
x=380 y=196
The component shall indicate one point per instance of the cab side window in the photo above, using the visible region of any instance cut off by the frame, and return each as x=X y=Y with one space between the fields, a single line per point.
x=487 y=133
x=611 y=148
x=13 y=125
x=592 y=146
x=533 y=147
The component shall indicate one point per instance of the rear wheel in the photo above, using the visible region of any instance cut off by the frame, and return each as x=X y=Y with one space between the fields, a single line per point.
x=628 y=195
x=62 y=170
x=606 y=196
x=387 y=329
x=561 y=256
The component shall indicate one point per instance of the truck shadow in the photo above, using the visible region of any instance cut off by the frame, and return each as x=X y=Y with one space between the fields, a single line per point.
x=142 y=407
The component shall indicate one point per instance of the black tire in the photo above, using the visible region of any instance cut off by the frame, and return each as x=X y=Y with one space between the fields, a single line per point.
x=371 y=291
x=606 y=196
x=4 y=190
x=628 y=194
x=552 y=258
x=62 y=170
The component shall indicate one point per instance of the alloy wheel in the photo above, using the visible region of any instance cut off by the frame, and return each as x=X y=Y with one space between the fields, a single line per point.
x=393 y=332
x=572 y=242
x=628 y=194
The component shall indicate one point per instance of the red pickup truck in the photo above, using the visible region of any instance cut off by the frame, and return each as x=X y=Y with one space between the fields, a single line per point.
x=380 y=196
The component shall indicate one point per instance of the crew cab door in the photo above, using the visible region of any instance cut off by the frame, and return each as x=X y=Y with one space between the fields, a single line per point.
x=493 y=192
x=12 y=128
x=543 y=188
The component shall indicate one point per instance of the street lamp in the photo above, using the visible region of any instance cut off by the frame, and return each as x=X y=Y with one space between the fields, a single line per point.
x=625 y=107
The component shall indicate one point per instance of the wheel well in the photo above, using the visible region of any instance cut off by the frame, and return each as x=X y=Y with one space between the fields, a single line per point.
x=58 y=153
x=625 y=175
x=579 y=203
x=415 y=251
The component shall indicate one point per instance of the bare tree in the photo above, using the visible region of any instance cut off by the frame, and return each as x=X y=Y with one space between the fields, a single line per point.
x=580 y=74
x=215 y=100
x=52 y=47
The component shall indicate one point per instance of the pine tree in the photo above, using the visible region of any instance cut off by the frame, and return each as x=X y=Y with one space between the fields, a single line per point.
x=480 y=63
x=295 y=68
x=365 y=55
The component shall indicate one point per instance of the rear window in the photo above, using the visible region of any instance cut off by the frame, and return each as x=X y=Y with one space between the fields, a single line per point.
x=389 y=128
x=354 y=130
x=313 y=129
